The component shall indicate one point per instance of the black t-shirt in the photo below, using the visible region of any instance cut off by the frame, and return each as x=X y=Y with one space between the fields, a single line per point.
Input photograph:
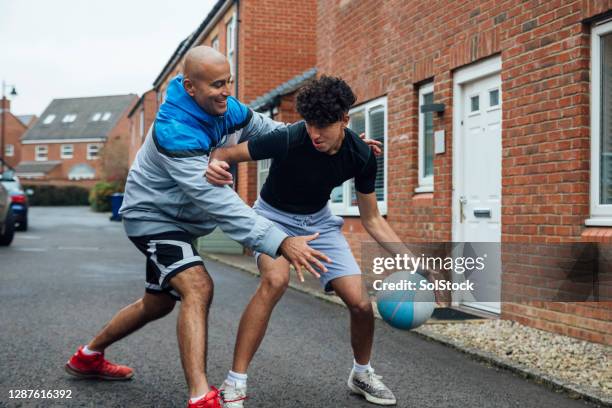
x=301 y=178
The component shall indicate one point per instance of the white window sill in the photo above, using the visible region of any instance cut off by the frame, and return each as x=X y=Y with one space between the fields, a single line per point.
x=424 y=189
x=599 y=222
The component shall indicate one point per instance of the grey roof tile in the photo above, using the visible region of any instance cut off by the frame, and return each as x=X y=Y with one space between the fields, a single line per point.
x=291 y=85
x=83 y=126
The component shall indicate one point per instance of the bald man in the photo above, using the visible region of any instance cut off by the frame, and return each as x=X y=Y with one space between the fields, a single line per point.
x=168 y=203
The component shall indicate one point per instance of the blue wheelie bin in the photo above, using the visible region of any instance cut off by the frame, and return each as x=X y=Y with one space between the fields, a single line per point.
x=116 y=201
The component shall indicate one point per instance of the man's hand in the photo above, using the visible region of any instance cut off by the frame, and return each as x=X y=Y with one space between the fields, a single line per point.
x=217 y=173
x=443 y=297
x=375 y=145
x=300 y=255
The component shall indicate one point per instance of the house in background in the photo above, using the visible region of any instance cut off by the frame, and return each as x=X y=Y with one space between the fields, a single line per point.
x=64 y=146
x=14 y=129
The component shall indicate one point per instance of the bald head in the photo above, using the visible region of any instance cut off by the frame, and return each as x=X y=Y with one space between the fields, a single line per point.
x=201 y=59
x=207 y=79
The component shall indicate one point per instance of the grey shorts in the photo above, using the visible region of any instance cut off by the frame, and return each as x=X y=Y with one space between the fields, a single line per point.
x=331 y=241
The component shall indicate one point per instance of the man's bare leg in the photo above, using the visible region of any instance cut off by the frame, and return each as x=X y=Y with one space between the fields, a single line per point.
x=353 y=293
x=131 y=318
x=195 y=287
x=254 y=321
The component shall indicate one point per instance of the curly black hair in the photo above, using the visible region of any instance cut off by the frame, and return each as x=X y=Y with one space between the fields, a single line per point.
x=324 y=101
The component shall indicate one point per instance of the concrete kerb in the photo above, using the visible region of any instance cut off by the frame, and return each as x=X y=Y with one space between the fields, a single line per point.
x=573 y=391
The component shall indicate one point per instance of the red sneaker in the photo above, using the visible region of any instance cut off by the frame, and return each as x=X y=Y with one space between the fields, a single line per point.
x=96 y=366
x=211 y=400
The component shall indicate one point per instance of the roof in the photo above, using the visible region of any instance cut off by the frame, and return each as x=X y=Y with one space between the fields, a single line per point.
x=269 y=99
x=83 y=126
x=187 y=43
x=36 y=166
x=26 y=119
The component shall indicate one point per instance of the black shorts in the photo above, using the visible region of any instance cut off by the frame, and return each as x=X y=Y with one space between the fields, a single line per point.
x=167 y=254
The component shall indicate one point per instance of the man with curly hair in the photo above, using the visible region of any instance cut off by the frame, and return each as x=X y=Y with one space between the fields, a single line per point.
x=309 y=159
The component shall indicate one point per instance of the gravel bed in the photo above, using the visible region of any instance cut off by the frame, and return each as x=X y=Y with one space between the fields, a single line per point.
x=576 y=361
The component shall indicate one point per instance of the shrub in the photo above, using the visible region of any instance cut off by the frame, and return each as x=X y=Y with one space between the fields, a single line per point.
x=99 y=196
x=57 y=195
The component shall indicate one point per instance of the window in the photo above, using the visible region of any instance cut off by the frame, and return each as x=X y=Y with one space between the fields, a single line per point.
x=40 y=152
x=81 y=172
x=230 y=41
x=9 y=150
x=66 y=151
x=96 y=116
x=141 y=123
x=49 y=119
x=92 y=151
x=371 y=119
x=215 y=43
x=493 y=98
x=426 y=141
x=601 y=125
x=475 y=103
x=69 y=118
x=263 y=168
x=106 y=116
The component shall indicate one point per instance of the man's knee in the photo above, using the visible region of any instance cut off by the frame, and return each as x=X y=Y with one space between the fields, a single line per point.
x=361 y=308
x=276 y=282
x=193 y=284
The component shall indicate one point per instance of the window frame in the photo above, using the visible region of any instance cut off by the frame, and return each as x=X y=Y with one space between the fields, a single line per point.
x=106 y=116
x=63 y=154
x=345 y=208
x=601 y=214
x=230 y=44
x=425 y=183
x=9 y=150
x=39 y=150
x=141 y=124
x=89 y=147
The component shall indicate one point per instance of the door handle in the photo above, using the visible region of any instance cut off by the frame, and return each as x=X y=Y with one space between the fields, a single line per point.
x=462 y=203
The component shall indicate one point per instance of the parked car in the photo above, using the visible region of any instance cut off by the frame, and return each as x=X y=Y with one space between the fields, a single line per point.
x=19 y=200
x=7 y=222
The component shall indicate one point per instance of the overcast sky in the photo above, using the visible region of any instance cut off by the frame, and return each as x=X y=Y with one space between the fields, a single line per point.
x=67 y=48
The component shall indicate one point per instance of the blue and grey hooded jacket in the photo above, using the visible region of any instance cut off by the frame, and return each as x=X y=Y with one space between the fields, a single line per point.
x=166 y=189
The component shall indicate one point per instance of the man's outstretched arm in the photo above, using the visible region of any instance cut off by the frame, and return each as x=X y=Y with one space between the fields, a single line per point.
x=266 y=146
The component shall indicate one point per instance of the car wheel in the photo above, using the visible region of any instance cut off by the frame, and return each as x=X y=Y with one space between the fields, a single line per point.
x=9 y=230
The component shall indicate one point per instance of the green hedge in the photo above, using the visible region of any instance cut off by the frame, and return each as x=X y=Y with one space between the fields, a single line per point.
x=57 y=195
x=99 y=196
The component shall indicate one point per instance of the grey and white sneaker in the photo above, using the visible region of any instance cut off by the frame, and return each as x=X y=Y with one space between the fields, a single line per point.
x=232 y=396
x=370 y=385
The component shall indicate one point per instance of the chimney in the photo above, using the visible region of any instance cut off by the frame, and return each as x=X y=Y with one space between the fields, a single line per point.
x=5 y=104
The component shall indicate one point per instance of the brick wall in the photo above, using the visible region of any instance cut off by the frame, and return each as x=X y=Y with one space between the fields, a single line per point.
x=147 y=109
x=14 y=129
x=390 y=47
x=276 y=43
x=79 y=156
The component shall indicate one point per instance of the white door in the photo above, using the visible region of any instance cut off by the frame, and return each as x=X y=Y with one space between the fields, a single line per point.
x=477 y=211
